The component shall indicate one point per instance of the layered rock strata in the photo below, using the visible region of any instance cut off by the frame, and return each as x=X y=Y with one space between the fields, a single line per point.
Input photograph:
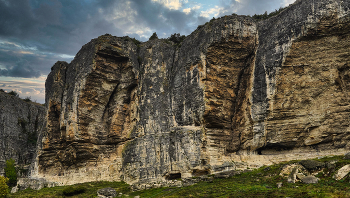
x=235 y=93
x=21 y=124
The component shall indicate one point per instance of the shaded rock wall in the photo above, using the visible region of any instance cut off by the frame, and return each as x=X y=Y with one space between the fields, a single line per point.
x=21 y=124
x=236 y=90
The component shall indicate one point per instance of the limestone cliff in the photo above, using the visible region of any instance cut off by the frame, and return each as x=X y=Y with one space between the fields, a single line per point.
x=21 y=124
x=235 y=90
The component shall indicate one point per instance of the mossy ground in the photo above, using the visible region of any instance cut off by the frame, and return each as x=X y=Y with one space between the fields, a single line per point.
x=257 y=183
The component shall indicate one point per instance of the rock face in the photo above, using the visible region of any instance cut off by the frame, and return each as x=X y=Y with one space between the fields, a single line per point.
x=235 y=91
x=21 y=124
x=342 y=172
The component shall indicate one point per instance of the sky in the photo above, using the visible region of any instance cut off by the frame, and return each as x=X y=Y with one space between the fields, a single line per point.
x=34 y=34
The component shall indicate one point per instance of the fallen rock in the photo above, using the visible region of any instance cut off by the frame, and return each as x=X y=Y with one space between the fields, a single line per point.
x=14 y=189
x=312 y=165
x=310 y=180
x=279 y=184
x=293 y=172
x=300 y=176
x=292 y=176
x=347 y=156
x=226 y=174
x=107 y=193
x=331 y=164
x=342 y=172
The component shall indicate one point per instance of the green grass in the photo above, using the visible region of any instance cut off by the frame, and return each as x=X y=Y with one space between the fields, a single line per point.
x=257 y=183
x=90 y=190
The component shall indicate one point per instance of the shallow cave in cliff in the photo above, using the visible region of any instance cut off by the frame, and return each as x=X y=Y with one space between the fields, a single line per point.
x=276 y=147
x=173 y=176
x=198 y=173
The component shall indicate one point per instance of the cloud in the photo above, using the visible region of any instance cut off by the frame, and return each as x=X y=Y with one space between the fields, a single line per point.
x=22 y=61
x=251 y=7
x=20 y=70
x=212 y=12
x=171 y=4
x=287 y=2
x=34 y=34
x=35 y=89
x=188 y=10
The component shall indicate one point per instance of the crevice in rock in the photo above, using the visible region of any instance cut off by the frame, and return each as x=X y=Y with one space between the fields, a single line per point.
x=109 y=103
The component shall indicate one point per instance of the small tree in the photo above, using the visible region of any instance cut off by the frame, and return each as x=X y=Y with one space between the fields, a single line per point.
x=154 y=36
x=11 y=172
x=13 y=93
x=27 y=99
x=3 y=186
x=177 y=38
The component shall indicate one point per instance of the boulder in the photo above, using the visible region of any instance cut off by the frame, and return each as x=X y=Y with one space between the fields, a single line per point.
x=310 y=180
x=107 y=193
x=293 y=172
x=331 y=164
x=35 y=184
x=347 y=156
x=279 y=184
x=312 y=165
x=14 y=189
x=342 y=172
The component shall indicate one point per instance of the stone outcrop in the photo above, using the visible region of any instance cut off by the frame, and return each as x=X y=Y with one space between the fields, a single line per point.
x=342 y=172
x=35 y=184
x=21 y=124
x=236 y=91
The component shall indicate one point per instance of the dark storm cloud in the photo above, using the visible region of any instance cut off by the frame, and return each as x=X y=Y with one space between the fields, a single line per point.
x=19 y=70
x=19 y=61
x=50 y=29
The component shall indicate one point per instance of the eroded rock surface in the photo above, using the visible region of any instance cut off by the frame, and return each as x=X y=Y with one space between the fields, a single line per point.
x=21 y=124
x=235 y=90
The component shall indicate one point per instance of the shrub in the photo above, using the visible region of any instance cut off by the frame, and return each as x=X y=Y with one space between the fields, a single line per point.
x=13 y=93
x=1 y=90
x=266 y=16
x=11 y=172
x=177 y=38
x=154 y=36
x=27 y=99
x=3 y=186
x=73 y=190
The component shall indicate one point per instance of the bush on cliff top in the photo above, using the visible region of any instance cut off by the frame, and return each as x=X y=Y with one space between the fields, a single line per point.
x=154 y=36
x=27 y=99
x=266 y=16
x=177 y=38
x=13 y=93
x=3 y=186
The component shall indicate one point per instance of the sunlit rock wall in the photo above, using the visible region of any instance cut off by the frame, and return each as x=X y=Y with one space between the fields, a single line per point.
x=236 y=93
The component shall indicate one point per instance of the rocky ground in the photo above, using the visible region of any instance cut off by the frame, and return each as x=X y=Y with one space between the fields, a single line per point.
x=324 y=177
